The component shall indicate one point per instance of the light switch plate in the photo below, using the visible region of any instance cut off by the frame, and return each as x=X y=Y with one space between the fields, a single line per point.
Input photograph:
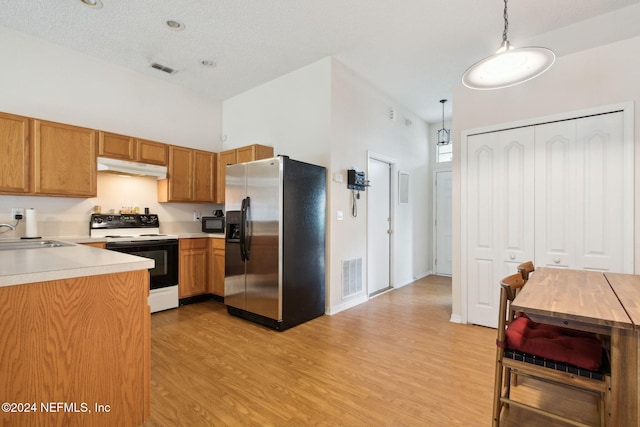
x=340 y=215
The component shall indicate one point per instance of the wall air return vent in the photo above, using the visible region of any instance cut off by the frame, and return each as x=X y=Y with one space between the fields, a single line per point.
x=163 y=68
x=351 y=277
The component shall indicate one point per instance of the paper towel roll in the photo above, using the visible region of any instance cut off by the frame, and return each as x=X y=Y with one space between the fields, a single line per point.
x=31 y=223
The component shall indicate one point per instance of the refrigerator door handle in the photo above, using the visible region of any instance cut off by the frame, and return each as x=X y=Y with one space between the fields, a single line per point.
x=244 y=253
x=247 y=229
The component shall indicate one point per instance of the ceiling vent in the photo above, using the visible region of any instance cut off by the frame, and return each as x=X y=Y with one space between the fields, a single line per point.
x=163 y=68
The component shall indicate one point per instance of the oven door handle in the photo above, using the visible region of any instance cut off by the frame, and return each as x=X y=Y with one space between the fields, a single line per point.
x=137 y=243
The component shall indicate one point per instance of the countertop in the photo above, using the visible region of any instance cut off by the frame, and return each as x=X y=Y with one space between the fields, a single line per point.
x=23 y=266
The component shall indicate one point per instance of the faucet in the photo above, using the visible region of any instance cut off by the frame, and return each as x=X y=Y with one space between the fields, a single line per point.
x=8 y=225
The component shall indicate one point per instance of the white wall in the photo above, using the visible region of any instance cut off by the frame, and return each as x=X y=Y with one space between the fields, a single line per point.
x=361 y=124
x=325 y=114
x=595 y=77
x=40 y=79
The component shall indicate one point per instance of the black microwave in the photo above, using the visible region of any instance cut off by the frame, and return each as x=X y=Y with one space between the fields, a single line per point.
x=213 y=224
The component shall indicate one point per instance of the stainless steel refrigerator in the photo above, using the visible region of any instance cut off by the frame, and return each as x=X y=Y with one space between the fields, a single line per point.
x=275 y=241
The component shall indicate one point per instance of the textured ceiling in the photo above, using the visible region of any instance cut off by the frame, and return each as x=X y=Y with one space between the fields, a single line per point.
x=413 y=50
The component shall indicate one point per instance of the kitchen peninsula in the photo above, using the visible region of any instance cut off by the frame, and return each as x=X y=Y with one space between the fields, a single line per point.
x=75 y=335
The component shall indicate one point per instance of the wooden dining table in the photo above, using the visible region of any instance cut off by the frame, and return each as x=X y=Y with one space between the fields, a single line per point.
x=600 y=302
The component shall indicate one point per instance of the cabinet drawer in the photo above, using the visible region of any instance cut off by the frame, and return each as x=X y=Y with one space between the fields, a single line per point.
x=199 y=243
x=217 y=243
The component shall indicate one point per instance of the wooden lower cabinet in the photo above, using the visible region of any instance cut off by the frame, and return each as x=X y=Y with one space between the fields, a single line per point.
x=99 y=245
x=82 y=342
x=193 y=273
x=216 y=266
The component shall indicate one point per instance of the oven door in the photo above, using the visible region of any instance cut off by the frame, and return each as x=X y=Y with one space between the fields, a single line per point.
x=163 y=252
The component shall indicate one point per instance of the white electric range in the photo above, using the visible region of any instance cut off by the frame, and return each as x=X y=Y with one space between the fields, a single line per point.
x=139 y=234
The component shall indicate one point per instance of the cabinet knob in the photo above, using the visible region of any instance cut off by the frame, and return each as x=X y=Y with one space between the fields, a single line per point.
x=556 y=260
x=512 y=256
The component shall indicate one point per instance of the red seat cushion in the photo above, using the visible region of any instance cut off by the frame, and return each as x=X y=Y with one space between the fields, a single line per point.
x=563 y=345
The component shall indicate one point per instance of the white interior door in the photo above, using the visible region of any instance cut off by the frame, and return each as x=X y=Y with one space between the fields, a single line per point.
x=379 y=226
x=443 y=222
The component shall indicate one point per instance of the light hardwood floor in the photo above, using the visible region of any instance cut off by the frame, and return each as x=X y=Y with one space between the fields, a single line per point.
x=393 y=361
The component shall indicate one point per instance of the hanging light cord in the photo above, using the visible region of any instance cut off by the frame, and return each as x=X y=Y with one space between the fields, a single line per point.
x=506 y=23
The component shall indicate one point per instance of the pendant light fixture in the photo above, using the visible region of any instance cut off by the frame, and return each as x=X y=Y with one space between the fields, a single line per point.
x=509 y=66
x=444 y=135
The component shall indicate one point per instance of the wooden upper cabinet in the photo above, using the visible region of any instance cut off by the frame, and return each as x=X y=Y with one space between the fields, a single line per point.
x=253 y=152
x=116 y=146
x=14 y=154
x=155 y=153
x=204 y=176
x=133 y=149
x=224 y=158
x=237 y=155
x=64 y=160
x=180 y=175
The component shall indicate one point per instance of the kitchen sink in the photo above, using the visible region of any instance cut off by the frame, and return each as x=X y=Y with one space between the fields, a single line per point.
x=12 y=245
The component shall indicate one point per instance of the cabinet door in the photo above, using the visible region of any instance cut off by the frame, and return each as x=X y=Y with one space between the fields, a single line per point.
x=253 y=152
x=193 y=267
x=14 y=154
x=64 y=160
x=180 y=179
x=155 y=153
x=203 y=176
x=224 y=158
x=116 y=146
x=500 y=215
x=216 y=266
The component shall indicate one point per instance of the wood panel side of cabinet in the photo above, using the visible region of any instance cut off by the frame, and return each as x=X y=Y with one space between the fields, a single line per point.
x=77 y=340
x=216 y=266
x=224 y=158
x=14 y=154
x=116 y=146
x=64 y=160
x=155 y=153
x=193 y=267
x=204 y=176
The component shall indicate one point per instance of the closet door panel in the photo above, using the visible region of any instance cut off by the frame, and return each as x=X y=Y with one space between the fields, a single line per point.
x=555 y=194
x=483 y=238
x=517 y=201
x=599 y=188
x=500 y=215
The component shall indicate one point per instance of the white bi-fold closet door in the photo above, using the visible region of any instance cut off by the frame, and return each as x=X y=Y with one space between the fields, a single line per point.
x=555 y=193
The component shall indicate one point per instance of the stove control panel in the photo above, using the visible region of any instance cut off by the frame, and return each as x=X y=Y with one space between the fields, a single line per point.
x=102 y=221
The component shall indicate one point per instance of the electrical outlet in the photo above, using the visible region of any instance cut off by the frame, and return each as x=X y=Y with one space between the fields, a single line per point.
x=15 y=212
x=196 y=216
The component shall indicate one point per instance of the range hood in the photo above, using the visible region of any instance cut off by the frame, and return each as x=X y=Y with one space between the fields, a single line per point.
x=124 y=167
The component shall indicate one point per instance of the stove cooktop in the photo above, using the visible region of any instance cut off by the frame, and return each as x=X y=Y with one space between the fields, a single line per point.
x=127 y=227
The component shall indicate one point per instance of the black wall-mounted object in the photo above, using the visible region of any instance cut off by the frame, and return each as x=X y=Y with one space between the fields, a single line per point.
x=356 y=180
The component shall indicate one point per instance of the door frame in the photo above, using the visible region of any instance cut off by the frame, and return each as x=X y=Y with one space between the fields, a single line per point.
x=393 y=199
x=627 y=109
x=435 y=217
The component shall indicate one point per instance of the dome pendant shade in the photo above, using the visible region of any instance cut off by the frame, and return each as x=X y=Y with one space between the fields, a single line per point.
x=508 y=67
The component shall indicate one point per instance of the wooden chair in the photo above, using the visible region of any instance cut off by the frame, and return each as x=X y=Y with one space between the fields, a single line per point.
x=511 y=361
x=525 y=269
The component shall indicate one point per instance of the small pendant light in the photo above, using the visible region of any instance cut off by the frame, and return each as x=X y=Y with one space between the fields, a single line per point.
x=509 y=66
x=444 y=135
